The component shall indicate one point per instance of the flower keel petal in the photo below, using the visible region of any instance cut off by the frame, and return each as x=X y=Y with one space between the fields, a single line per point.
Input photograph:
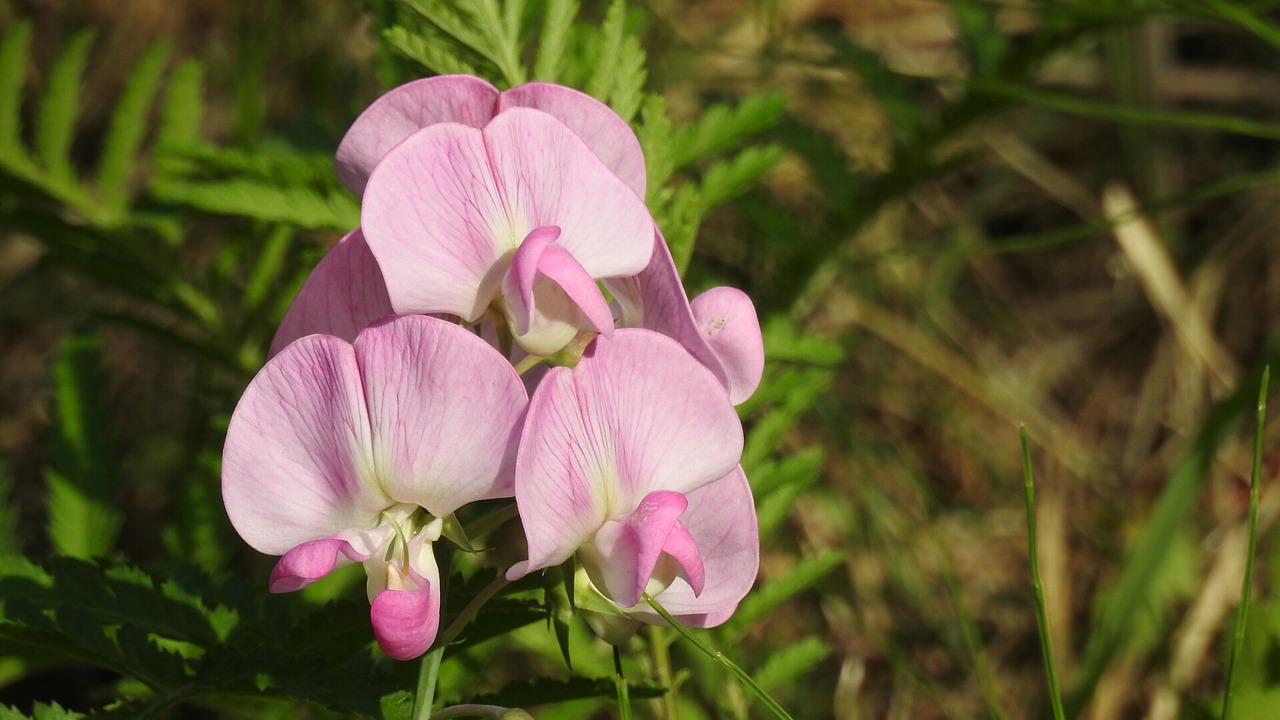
x=405 y=621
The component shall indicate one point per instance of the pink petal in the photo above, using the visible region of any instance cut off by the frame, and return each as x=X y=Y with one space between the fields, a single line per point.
x=628 y=548
x=405 y=621
x=297 y=464
x=448 y=204
x=728 y=322
x=311 y=561
x=558 y=265
x=446 y=411
x=344 y=293
x=722 y=519
x=655 y=300
x=405 y=110
x=517 y=285
x=637 y=415
x=607 y=134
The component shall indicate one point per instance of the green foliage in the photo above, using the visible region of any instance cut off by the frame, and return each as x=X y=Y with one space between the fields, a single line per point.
x=768 y=597
x=42 y=712
x=791 y=663
x=81 y=478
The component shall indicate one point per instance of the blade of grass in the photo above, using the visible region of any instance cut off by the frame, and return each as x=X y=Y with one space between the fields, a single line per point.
x=1042 y=616
x=719 y=657
x=1254 y=481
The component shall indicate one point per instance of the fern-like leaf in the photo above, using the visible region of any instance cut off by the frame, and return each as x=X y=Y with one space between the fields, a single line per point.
x=13 y=65
x=556 y=23
x=128 y=128
x=765 y=599
x=60 y=107
x=608 y=50
x=722 y=127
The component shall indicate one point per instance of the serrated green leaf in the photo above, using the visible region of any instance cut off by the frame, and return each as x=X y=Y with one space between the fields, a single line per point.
x=628 y=86
x=433 y=56
x=721 y=127
x=557 y=19
x=82 y=521
x=13 y=70
x=128 y=127
x=183 y=110
x=608 y=49
x=782 y=343
x=766 y=598
x=728 y=179
x=60 y=107
x=397 y=706
x=41 y=711
x=787 y=665
x=654 y=134
x=501 y=30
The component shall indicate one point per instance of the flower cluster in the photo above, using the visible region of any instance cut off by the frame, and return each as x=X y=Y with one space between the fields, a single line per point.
x=501 y=229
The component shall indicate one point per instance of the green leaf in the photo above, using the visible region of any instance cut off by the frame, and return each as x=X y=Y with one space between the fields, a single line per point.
x=128 y=127
x=655 y=134
x=81 y=481
x=13 y=70
x=183 y=110
x=608 y=50
x=628 y=84
x=769 y=596
x=721 y=127
x=60 y=107
x=41 y=712
x=557 y=20
x=789 y=664
x=427 y=52
x=728 y=179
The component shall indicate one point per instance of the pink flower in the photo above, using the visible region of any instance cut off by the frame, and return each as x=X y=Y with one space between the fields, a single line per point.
x=346 y=290
x=719 y=327
x=520 y=217
x=629 y=461
x=473 y=102
x=343 y=453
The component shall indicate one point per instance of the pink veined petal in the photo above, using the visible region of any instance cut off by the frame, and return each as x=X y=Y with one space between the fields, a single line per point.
x=310 y=561
x=638 y=414
x=655 y=300
x=683 y=548
x=344 y=293
x=405 y=621
x=722 y=520
x=558 y=265
x=728 y=322
x=445 y=410
x=405 y=110
x=628 y=548
x=447 y=204
x=548 y=176
x=297 y=464
x=603 y=130
x=517 y=285
x=438 y=223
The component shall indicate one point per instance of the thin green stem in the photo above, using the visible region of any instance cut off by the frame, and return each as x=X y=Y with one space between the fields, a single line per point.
x=620 y=683
x=1247 y=585
x=427 y=677
x=478 y=711
x=469 y=612
x=662 y=663
x=529 y=363
x=719 y=657
x=1042 y=617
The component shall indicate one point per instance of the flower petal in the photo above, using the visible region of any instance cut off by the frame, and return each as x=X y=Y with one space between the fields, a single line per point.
x=638 y=414
x=311 y=561
x=603 y=130
x=437 y=223
x=405 y=621
x=445 y=409
x=722 y=519
x=405 y=110
x=297 y=464
x=728 y=322
x=517 y=284
x=344 y=293
x=655 y=300
x=627 y=549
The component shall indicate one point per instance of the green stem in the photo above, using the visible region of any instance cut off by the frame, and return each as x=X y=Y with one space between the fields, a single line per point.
x=1042 y=617
x=620 y=683
x=427 y=677
x=529 y=363
x=662 y=663
x=478 y=711
x=725 y=662
x=1247 y=585
x=469 y=612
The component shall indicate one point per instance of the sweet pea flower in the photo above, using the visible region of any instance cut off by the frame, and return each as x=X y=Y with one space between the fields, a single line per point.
x=629 y=462
x=519 y=217
x=473 y=102
x=719 y=327
x=341 y=452
x=346 y=291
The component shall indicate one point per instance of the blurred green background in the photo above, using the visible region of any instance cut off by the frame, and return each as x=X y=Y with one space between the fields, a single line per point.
x=1062 y=214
